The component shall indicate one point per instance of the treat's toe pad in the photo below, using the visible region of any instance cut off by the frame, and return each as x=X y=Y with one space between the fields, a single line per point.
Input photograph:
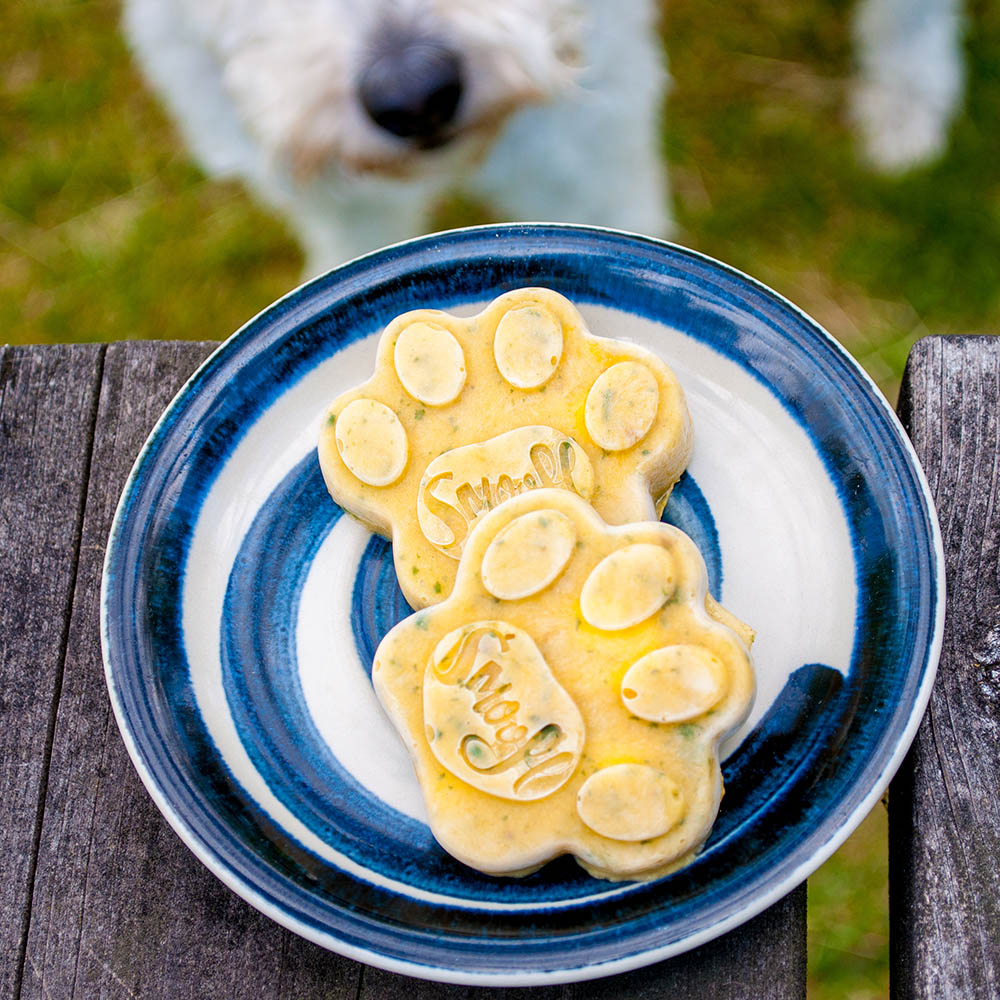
x=430 y=363
x=372 y=442
x=630 y=802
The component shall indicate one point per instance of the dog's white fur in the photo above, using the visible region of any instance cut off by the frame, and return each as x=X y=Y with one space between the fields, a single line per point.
x=911 y=78
x=559 y=120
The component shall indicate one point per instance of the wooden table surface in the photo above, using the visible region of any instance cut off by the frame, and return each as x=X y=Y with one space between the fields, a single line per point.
x=99 y=898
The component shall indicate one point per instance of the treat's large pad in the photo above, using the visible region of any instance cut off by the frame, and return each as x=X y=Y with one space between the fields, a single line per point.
x=570 y=695
x=463 y=413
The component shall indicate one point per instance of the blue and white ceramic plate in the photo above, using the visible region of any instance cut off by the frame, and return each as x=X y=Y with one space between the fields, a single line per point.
x=241 y=610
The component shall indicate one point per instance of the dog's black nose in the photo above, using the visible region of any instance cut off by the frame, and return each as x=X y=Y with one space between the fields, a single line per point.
x=412 y=89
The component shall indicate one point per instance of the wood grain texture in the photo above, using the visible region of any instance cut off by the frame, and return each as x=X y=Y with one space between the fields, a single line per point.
x=944 y=809
x=48 y=402
x=121 y=908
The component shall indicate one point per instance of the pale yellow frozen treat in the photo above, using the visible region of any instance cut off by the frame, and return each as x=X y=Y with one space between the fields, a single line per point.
x=570 y=694
x=464 y=413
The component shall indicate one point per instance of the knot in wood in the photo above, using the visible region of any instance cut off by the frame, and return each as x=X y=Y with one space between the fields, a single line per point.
x=985 y=649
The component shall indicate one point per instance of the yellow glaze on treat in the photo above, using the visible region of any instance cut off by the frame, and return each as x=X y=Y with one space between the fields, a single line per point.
x=478 y=410
x=570 y=695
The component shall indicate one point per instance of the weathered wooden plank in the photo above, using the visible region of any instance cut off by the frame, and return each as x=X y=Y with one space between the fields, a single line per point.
x=48 y=402
x=944 y=810
x=765 y=959
x=120 y=907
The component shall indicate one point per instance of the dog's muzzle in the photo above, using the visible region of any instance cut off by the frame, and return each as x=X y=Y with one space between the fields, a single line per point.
x=411 y=88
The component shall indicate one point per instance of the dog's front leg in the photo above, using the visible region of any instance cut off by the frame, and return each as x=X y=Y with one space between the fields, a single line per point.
x=337 y=222
x=593 y=154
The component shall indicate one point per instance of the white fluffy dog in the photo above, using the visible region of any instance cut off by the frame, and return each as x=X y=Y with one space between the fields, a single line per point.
x=351 y=116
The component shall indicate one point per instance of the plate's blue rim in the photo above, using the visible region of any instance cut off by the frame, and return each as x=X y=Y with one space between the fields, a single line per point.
x=347 y=280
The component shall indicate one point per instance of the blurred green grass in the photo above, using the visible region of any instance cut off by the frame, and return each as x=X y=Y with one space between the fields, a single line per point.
x=108 y=231
x=848 y=917
x=766 y=177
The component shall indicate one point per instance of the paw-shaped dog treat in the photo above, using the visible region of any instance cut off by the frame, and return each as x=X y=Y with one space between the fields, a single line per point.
x=570 y=694
x=462 y=414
